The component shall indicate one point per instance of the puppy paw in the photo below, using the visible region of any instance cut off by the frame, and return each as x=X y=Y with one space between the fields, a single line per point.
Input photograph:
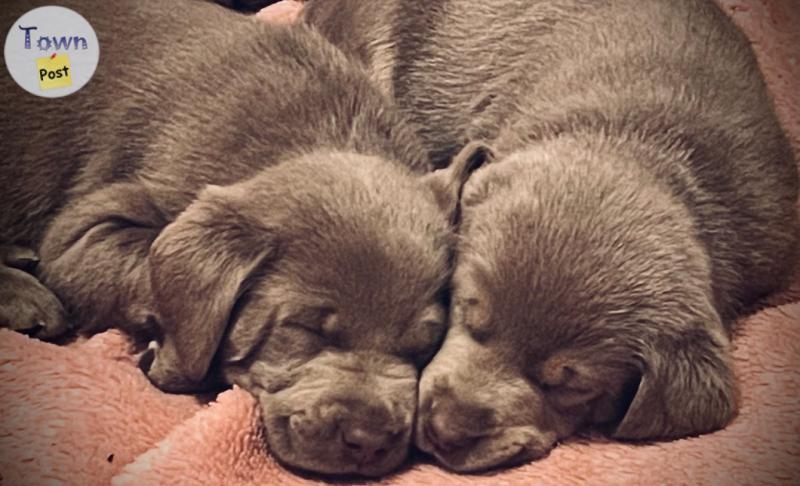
x=27 y=306
x=159 y=364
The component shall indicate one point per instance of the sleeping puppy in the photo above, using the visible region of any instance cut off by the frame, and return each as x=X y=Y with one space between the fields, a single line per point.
x=642 y=196
x=243 y=194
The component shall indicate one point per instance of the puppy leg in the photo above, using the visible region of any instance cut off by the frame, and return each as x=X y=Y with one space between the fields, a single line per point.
x=25 y=304
x=94 y=257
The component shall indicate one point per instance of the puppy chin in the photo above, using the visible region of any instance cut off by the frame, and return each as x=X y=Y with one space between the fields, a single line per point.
x=505 y=447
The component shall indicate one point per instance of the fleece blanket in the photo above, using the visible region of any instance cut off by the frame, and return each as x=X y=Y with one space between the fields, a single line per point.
x=84 y=414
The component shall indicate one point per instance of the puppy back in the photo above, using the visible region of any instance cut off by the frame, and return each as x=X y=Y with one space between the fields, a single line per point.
x=183 y=90
x=681 y=78
x=677 y=75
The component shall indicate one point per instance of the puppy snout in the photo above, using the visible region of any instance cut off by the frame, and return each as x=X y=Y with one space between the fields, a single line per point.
x=444 y=434
x=453 y=425
x=365 y=443
x=367 y=434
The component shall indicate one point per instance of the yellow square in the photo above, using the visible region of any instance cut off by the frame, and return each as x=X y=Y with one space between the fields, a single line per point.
x=54 y=71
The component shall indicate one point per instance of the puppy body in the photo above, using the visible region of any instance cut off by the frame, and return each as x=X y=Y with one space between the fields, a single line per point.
x=140 y=100
x=245 y=193
x=644 y=195
x=458 y=68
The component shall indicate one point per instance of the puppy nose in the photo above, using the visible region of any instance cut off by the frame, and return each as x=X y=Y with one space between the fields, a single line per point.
x=365 y=444
x=457 y=426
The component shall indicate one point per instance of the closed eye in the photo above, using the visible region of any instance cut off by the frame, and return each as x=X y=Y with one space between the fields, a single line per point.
x=421 y=352
x=562 y=385
x=292 y=339
x=566 y=397
x=470 y=314
x=479 y=334
x=311 y=319
x=309 y=330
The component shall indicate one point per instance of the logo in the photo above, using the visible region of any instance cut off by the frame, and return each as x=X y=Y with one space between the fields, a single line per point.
x=51 y=51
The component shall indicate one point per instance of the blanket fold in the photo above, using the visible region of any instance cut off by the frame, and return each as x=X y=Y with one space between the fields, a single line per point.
x=85 y=414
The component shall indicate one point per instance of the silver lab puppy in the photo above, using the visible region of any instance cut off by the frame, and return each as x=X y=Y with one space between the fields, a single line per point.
x=272 y=223
x=642 y=197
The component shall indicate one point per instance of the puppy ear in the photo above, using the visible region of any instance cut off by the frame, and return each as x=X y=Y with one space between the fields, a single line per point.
x=199 y=267
x=447 y=183
x=687 y=388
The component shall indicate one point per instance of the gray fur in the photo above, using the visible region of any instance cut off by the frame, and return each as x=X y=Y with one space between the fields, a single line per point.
x=642 y=198
x=272 y=223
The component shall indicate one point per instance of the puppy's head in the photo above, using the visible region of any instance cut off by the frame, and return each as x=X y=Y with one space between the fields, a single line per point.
x=580 y=298
x=317 y=286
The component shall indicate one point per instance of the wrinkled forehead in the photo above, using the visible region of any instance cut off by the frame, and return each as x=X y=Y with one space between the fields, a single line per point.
x=367 y=275
x=371 y=260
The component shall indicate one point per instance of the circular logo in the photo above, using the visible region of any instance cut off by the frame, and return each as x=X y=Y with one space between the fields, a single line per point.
x=51 y=51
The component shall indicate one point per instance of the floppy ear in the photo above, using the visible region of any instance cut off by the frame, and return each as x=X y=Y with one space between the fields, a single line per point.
x=199 y=266
x=687 y=388
x=447 y=183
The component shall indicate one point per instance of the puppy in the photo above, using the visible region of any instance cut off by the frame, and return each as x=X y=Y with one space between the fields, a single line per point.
x=244 y=194
x=642 y=195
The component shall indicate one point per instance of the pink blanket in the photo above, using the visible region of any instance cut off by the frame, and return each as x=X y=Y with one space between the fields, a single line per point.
x=84 y=414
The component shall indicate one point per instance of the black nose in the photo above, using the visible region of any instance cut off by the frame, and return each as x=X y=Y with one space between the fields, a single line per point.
x=452 y=426
x=365 y=444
